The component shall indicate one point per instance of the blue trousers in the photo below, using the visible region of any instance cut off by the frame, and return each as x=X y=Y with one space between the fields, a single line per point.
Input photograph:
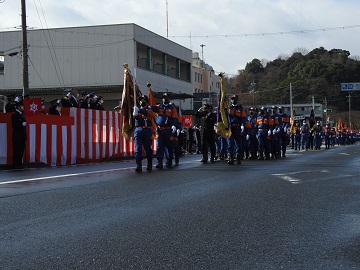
x=142 y=138
x=165 y=139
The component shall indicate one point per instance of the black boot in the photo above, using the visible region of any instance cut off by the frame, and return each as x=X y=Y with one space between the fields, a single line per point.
x=205 y=158
x=177 y=159
x=138 y=166
x=231 y=160
x=238 y=159
x=160 y=164
x=149 y=164
x=169 y=163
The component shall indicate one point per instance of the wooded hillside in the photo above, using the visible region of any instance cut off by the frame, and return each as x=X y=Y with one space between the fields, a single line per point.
x=317 y=73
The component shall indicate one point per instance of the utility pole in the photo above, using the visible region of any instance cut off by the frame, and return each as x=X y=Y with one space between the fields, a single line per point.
x=291 y=99
x=349 y=100
x=202 y=51
x=326 y=116
x=167 y=20
x=24 y=50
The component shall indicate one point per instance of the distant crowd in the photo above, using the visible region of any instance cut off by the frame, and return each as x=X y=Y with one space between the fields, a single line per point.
x=72 y=98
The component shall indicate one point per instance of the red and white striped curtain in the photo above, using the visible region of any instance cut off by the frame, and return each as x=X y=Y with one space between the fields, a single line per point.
x=77 y=136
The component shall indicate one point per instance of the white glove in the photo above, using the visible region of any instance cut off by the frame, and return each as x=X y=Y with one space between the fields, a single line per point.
x=274 y=131
x=269 y=132
x=242 y=128
x=285 y=129
x=173 y=129
x=277 y=130
x=136 y=111
x=247 y=137
x=24 y=124
x=178 y=132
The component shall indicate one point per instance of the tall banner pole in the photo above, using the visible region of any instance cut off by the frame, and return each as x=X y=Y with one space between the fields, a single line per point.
x=134 y=85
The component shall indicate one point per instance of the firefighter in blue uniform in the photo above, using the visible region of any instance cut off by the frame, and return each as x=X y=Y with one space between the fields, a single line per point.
x=262 y=122
x=297 y=136
x=305 y=130
x=285 y=124
x=273 y=128
x=252 y=132
x=237 y=118
x=166 y=120
x=143 y=133
x=277 y=130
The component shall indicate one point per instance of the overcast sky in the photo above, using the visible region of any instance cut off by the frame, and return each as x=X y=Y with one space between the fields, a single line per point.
x=234 y=32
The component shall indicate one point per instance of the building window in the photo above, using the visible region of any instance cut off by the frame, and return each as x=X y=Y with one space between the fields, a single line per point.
x=2 y=63
x=195 y=76
x=198 y=76
x=201 y=78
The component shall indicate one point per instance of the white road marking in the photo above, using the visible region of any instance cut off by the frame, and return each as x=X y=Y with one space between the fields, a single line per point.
x=60 y=176
x=345 y=154
x=69 y=175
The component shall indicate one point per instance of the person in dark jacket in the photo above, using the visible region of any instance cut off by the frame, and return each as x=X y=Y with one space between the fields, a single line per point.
x=10 y=105
x=73 y=98
x=19 y=135
x=209 y=135
x=53 y=109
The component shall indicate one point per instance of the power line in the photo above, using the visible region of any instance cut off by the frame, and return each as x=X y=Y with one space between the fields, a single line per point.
x=56 y=65
x=230 y=35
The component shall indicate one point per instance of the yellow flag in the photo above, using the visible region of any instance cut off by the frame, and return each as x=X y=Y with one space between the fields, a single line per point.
x=293 y=127
x=222 y=126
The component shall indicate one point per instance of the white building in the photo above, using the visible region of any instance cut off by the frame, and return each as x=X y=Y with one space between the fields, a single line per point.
x=206 y=85
x=91 y=58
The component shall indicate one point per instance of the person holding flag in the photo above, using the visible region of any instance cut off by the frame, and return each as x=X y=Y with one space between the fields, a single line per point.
x=237 y=118
x=166 y=120
x=142 y=134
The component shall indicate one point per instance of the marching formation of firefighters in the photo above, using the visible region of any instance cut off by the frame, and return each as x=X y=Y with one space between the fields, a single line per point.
x=261 y=134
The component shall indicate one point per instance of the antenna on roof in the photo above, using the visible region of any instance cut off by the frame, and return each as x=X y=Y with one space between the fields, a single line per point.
x=167 y=20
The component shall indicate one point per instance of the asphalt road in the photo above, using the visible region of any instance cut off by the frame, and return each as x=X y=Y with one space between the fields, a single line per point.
x=300 y=212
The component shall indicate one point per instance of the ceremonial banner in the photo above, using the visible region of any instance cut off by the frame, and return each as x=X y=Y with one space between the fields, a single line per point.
x=293 y=126
x=152 y=103
x=222 y=126
x=339 y=125
x=312 y=120
x=127 y=104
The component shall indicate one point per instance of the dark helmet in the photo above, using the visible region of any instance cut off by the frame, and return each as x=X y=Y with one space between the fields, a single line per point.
x=144 y=97
x=281 y=107
x=251 y=109
x=274 y=107
x=262 y=109
x=269 y=110
x=234 y=97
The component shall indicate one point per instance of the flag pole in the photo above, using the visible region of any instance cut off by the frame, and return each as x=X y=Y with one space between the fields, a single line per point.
x=134 y=85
